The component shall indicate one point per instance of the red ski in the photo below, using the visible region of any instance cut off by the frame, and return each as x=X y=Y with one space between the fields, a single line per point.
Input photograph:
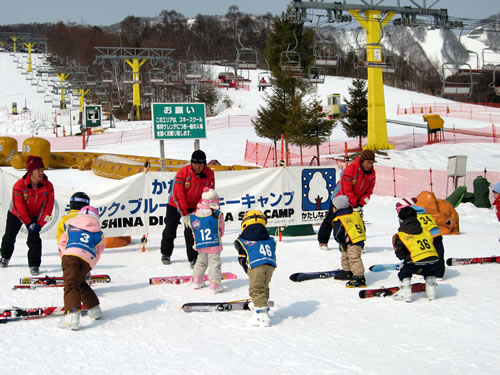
x=466 y=261
x=186 y=279
x=19 y=313
x=385 y=292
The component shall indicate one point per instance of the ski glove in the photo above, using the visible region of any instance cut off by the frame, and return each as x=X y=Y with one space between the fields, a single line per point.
x=34 y=228
x=185 y=221
x=243 y=263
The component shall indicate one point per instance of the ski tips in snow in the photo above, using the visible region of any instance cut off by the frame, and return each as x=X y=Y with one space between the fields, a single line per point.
x=185 y=279
x=466 y=261
x=385 y=292
x=385 y=267
x=219 y=306
x=303 y=276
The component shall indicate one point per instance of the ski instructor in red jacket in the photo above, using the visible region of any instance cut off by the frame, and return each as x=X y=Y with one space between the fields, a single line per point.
x=188 y=187
x=32 y=204
x=357 y=183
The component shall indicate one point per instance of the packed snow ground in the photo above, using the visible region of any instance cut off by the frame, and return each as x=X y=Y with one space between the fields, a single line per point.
x=318 y=327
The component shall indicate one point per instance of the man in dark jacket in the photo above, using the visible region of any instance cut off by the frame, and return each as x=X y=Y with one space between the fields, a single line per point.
x=414 y=246
x=32 y=204
x=186 y=193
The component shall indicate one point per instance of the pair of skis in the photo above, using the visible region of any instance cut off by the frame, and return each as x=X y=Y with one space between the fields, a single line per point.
x=53 y=281
x=449 y=262
x=243 y=304
x=365 y=293
x=19 y=313
x=186 y=279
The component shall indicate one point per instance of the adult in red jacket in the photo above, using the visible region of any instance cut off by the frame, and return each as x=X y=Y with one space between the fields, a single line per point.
x=357 y=183
x=188 y=187
x=32 y=204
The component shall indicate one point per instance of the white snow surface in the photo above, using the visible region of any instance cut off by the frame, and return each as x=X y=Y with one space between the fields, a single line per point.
x=318 y=327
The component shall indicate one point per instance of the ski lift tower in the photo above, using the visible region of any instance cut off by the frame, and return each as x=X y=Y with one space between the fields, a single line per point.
x=373 y=18
x=135 y=58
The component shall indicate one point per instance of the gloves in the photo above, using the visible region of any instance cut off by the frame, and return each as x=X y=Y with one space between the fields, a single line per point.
x=34 y=228
x=185 y=221
x=243 y=263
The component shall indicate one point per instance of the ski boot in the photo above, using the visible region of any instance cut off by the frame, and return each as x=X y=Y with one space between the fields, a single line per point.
x=430 y=287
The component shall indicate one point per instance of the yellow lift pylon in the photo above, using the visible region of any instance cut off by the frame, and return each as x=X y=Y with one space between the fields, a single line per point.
x=372 y=22
x=135 y=64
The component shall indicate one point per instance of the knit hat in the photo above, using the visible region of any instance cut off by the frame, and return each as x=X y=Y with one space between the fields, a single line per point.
x=405 y=202
x=496 y=188
x=340 y=201
x=209 y=199
x=34 y=162
x=199 y=157
x=367 y=155
x=406 y=212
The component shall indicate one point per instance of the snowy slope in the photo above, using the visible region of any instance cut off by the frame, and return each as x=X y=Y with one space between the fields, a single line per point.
x=319 y=327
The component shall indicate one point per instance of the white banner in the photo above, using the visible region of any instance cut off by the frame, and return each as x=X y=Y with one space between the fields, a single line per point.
x=137 y=205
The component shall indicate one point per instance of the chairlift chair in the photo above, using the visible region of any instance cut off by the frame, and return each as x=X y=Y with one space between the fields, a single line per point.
x=264 y=79
x=40 y=88
x=490 y=59
x=107 y=76
x=315 y=75
x=47 y=98
x=156 y=76
x=460 y=85
x=496 y=79
x=246 y=58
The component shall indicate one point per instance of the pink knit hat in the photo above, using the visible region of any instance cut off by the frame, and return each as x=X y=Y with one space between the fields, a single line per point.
x=405 y=202
x=209 y=199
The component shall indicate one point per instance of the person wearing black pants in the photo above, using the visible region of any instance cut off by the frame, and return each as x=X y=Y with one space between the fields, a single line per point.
x=34 y=241
x=172 y=221
x=189 y=183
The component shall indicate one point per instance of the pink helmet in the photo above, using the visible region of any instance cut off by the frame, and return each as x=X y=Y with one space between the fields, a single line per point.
x=89 y=210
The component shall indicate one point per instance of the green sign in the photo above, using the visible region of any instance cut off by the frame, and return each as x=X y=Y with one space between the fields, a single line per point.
x=92 y=115
x=178 y=120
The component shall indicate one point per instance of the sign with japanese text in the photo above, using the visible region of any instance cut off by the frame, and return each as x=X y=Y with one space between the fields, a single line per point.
x=137 y=205
x=178 y=120
x=92 y=115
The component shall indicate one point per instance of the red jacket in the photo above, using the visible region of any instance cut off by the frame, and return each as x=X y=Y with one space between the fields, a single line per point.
x=28 y=202
x=188 y=188
x=356 y=184
x=497 y=204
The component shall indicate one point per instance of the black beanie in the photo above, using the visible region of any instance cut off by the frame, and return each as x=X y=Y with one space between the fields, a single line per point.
x=199 y=157
x=406 y=212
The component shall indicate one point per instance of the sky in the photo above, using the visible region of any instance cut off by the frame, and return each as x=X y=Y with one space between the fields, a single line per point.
x=103 y=13
x=317 y=327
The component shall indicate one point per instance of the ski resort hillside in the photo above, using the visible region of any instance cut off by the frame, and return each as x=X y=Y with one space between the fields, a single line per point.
x=317 y=326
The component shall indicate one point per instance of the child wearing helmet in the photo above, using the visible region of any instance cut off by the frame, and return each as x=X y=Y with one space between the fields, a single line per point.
x=76 y=203
x=349 y=232
x=80 y=248
x=257 y=256
x=207 y=224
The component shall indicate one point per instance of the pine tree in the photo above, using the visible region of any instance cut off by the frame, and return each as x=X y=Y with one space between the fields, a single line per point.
x=208 y=95
x=288 y=41
x=355 y=119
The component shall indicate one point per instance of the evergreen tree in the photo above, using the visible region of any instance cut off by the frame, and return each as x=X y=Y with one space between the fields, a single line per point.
x=284 y=112
x=355 y=119
x=207 y=94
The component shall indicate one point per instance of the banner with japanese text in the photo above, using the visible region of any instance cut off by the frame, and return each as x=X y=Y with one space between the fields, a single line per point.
x=137 y=205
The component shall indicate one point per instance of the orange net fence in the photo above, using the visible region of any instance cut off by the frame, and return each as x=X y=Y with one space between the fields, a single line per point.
x=466 y=111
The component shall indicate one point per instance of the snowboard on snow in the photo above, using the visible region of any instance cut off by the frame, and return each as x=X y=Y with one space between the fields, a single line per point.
x=466 y=261
x=186 y=279
x=385 y=267
x=303 y=276
x=385 y=292
x=219 y=306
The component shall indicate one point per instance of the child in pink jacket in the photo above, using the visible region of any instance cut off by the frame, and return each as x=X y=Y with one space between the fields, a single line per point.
x=80 y=248
x=207 y=223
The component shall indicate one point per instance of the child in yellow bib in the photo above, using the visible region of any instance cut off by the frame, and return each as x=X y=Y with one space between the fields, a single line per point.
x=349 y=232
x=414 y=246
